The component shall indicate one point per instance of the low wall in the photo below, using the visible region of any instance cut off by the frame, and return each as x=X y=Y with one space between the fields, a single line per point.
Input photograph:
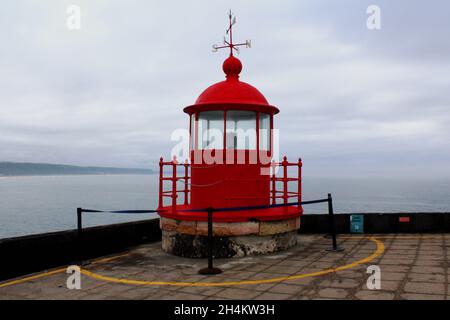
x=420 y=222
x=24 y=255
x=28 y=254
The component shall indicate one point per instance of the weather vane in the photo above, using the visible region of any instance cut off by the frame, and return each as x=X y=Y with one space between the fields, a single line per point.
x=229 y=43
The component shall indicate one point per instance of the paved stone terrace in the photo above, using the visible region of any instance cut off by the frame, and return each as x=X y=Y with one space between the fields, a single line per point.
x=412 y=266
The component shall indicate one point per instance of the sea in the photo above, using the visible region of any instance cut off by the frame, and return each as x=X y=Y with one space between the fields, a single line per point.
x=38 y=204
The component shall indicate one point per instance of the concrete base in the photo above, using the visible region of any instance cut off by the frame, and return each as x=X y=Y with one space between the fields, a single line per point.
x=196 y=246
x=231 y=239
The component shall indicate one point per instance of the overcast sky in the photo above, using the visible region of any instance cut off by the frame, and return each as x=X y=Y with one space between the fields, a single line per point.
x=353 y=101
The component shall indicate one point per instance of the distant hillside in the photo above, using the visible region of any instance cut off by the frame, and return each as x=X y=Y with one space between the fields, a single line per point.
x=41 y=169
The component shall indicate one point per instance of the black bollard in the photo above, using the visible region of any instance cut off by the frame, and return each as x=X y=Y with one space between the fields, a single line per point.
x=80 y=253
x=79 y=223
x=210 y=270
x=335 y=247
x=79 y=236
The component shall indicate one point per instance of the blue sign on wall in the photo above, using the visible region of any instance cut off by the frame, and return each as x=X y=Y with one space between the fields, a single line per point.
x=357 y=223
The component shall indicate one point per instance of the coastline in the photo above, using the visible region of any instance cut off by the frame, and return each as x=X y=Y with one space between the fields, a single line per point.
x=76 y=174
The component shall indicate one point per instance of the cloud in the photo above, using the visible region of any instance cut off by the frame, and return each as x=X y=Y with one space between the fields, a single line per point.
x=113 y=92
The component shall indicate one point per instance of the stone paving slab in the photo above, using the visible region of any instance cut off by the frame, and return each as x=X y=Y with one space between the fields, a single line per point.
x=413 y=266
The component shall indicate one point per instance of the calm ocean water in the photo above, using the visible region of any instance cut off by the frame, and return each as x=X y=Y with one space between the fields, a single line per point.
x=30 y=205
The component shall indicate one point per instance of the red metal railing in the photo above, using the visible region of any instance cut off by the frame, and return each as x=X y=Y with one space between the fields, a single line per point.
x=285 y=193
x=273 y=195
x=173 y=192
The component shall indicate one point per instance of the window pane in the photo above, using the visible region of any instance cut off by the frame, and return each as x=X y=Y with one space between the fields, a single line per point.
x=264 y=131
x=210 y=130
x=241 y=130
x=192 y=131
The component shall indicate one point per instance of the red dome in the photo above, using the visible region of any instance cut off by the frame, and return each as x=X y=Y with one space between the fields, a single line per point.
x=232 y=92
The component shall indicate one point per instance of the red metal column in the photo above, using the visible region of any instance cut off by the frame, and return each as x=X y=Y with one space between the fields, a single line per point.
x=160 y=183
x=299 y=188
x=174 y=183
x=271 y=135
x=257 y=138
x=274 y=191
x=186 y=177
x=225 y=137
x=285 y=180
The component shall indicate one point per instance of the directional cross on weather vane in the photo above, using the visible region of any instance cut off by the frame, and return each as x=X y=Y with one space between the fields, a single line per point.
x=229 y=43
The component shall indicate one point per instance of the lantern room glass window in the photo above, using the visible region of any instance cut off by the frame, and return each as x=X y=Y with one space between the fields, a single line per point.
x=192 y=132
x=210 y=130
x=264 y=131
x=241 y=130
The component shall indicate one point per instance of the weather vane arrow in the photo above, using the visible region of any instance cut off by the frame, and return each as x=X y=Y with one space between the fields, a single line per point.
x=229 y=43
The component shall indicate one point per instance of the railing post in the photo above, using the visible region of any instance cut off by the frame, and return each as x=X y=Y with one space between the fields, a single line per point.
x=186 y=185
x=174 y=183
x=79 y=222
x=335 y=247
x=160 y=205
x=210 y=270
x=285 y=182
x=274 y=186
x=210 y=238
x=79 y=247
x=299 y=188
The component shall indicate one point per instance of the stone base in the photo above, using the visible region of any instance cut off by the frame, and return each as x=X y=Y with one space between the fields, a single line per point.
x=196 y=246
x=231 y=239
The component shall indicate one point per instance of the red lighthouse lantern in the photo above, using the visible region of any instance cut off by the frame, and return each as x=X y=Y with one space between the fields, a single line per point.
x=231 y=166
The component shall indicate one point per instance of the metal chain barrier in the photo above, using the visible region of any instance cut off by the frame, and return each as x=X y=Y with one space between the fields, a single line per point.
x=210 y=270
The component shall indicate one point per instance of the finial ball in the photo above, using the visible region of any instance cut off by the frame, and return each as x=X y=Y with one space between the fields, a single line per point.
x=232 y=66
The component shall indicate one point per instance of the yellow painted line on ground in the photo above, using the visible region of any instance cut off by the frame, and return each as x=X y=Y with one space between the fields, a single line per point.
x=380 y=246
x=138 y=282
x=56 y=271
x=107 y=259
x=37 y=276
x=379 y=250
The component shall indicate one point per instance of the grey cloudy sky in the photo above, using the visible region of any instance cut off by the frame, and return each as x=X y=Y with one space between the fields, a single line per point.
x=353 y=102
